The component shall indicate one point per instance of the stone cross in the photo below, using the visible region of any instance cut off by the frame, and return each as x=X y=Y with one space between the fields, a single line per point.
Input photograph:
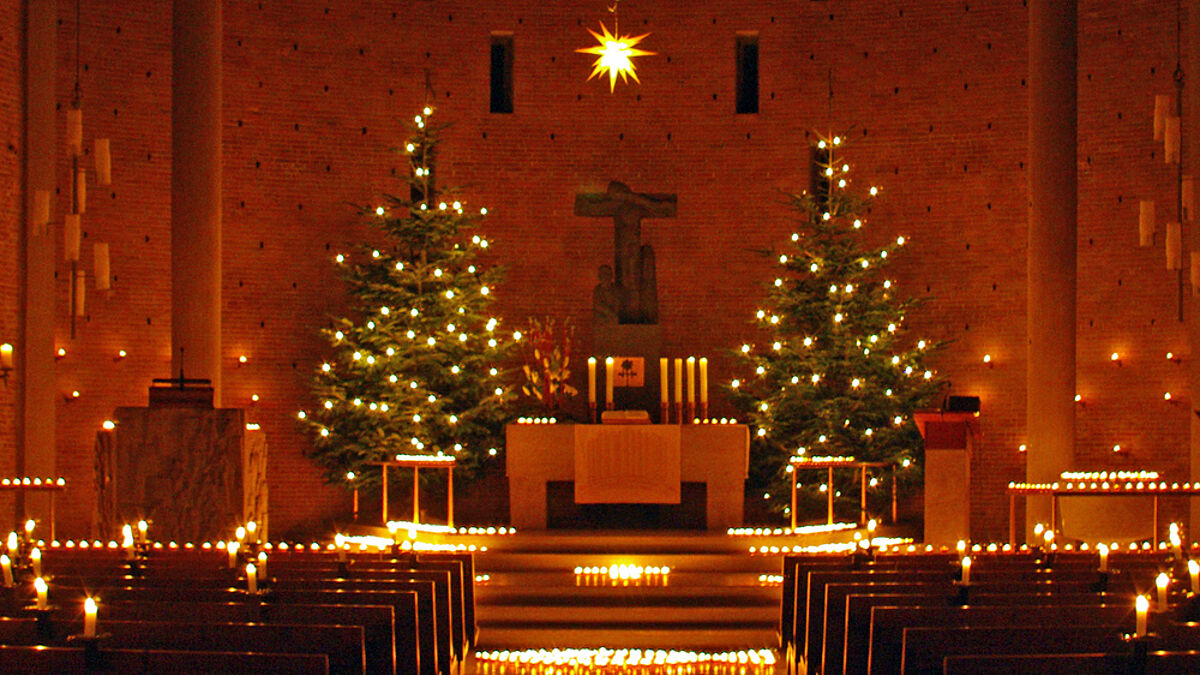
x=627 y=292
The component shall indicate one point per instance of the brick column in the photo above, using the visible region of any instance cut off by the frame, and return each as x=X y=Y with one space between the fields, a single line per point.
x=1050 y=380
x=196 y=190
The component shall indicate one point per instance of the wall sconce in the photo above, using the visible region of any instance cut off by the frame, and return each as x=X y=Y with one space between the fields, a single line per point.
x=6 y=361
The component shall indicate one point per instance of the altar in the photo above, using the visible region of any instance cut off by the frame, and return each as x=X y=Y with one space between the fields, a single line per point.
x=617 y=463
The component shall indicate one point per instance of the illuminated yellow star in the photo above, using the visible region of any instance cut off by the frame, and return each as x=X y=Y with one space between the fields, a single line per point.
x=615 y=56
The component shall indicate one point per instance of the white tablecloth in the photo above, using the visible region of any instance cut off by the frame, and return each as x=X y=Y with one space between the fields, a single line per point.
x=627 y=464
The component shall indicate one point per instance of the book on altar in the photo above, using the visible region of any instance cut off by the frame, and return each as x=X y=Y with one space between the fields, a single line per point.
x=625 y=417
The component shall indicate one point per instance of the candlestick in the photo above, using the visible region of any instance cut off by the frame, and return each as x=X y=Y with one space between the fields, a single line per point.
x=89 y=618
x=1162 y=581
x=966 y=569
x=39 y=584
x=592 y=380
x=6 y=567
x=6 y=356
x=1103 y=557
x=1143 y=609
x=35 y=558
x=609 y=368
x=251 y=578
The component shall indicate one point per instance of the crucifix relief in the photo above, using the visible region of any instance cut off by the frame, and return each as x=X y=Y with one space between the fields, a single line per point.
x=626 y=292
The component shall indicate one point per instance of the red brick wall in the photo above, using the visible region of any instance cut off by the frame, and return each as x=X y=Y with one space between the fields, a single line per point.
x=930 y=94
x=12 y=102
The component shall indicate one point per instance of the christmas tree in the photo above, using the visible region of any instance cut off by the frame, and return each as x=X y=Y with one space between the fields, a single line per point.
x=836 y=373
x=417 y=365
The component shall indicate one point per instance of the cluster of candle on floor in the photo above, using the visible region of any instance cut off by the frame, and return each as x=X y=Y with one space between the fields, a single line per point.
x=622 y=575
x=788 y=531
x=26 y=480
x=631 y=661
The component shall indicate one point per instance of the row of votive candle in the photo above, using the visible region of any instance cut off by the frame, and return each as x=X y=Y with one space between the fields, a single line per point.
x=630 y=661
x=663 y=380
x=622 y=575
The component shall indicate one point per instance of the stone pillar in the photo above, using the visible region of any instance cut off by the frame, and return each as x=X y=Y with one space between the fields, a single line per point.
x=1050 y=379
x=35 y=344
x=196 y=191
x=1191 y=159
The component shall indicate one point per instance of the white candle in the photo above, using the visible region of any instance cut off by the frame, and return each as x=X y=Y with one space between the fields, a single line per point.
x=1194 y=573
x=703 y=380
x=6 y=567
x=1143 y=607
x=12 y=544
x=592 y=379
x=39 y=584
x=6 y=356
x=1103 y=557
x=966 y=569
x=252 y=530
x=71 y=235
x=35 y=557
x=1162 y=581
x=251 y=578
x=609 y=367
x=142 y=527
x=691 y=379
x=664 y=386
x=89 y=618
x=103 y=161
x=103 y=268
x=241 y=534
x=232 y=548
x=262 y=563
x=679 y=380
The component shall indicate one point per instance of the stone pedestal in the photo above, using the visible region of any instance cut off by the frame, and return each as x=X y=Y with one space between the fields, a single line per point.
x=643 y=340
x=949 y=440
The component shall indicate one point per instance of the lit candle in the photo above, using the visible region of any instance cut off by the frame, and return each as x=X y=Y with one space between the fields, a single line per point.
x=1143 y=608
x=35 y=558
x=1194 y=573
x=252 y=530
x=691 y=379
x=241 y=534
x=89 y=618
x=663 y=382
x=609 y=369
x=1103 y=557
x=966 y=569
x=29 y=524
x=703 y=380
x=6 y=357
x=142 y=527
x=679 y=381
x=251 y=578
x=39 y=584
x=262 y=563
x=1162 y=581
x=6 y=567
x=13 y=544
x=592 y=380
x=232 y=548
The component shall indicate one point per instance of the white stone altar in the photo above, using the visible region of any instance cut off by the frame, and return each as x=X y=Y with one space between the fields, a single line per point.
x=627 y=464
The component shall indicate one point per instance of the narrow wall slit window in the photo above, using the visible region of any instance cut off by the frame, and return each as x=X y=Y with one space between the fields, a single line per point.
x=502 y=73
x=747 y=74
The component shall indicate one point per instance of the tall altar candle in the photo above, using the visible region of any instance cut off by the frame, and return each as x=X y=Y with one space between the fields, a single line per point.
x=1194 y=573
x=6 y=567
x=691 y=379
x=703 y=380
x=591 y=379
x=89 y=618
x=1143 y=606
x=6 y=356
x=679 y=380
x=663 y=383
x=608 y=382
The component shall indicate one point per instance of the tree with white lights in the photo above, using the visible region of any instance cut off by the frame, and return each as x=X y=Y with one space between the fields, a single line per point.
x=834 y=372
x=417 y=365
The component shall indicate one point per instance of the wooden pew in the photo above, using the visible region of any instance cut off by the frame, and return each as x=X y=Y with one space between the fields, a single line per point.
x=924 y=648
x=1159 y=663
x=74 y=660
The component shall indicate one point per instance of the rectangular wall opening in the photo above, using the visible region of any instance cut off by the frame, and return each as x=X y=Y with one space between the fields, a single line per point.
x=502 y=73
x=747 y=73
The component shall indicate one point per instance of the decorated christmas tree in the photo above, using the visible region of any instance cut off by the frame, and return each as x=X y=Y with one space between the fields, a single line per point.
x=834 y=371
x=417 y=364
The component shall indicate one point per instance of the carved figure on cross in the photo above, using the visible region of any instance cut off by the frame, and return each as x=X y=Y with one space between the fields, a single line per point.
x=627 y=291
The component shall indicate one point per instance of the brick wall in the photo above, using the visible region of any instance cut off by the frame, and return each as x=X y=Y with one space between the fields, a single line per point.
x=931 y=95
x=12 y=102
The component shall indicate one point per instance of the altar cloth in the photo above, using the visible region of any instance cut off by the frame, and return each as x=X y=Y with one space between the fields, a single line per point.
x=627 y=464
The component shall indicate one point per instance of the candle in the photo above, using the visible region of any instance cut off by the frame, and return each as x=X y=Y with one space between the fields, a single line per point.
x=35 y=558
x=679 y=381
x=664 y=387
x=1143 y=607
x=1162 y=581
x=12 y=544
x=232 y=548
x=966 y=569
x=262 y=563
x=241 y=534
x=142 y=527
x=89 y=618
x=1194 y=573
x=6 y=356
x=609 y=366
x=6 y=567
x=252 y=530
x=592 y=380
x=691 y=379
x=29 y=524
x=39 y=584
x=251 y=578
x=703 y=380
x=1103 y=557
